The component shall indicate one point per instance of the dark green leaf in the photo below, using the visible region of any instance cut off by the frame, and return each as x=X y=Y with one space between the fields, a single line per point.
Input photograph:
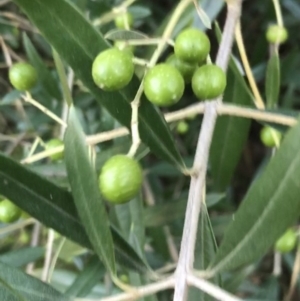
x=270 y=206
x=273 y=80
x=45 y=77
x=229 y=137
x=163 y=214
x=118 y=34
x=55 y=208
x=86 y=193
x=27 y=286
x=78 y=43
x=131 y=223
x=87 y=279
x=205 y=251
x=18 y=258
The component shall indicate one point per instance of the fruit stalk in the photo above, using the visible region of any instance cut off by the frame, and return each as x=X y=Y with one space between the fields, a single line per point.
x=186 y=257
x=158 y=51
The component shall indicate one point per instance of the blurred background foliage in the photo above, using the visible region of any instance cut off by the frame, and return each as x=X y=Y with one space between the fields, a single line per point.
x=165 y=189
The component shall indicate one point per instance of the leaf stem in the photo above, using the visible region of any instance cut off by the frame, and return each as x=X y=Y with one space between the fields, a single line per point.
x=278 y=12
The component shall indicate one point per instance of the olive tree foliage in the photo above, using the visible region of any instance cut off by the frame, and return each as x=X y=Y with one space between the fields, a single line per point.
x=202 y=220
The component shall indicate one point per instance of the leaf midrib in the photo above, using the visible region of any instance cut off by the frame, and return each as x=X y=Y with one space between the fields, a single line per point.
x=85 y=206
x=258 y=223
x=37 y=196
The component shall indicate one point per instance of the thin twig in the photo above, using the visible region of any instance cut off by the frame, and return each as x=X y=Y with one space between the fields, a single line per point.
x=139 y=292
x=55 y=258
x=210 y=289
x=4 y=2
x=222 y=109
x=186 y=256
x=136 y=140
x=278 y=12
x=48 y=255
x=295 y=275
x=277 y=264
x=157 y=53
x=6 y=54
x=17 y=226
x=27 y=97
x=35 y=237
x=259 y=103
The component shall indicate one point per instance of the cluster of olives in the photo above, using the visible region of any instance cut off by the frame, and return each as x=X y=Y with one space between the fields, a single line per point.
x=164 y=83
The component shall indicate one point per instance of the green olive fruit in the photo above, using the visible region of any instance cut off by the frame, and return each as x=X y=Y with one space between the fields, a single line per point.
x=276 y=34
x=186 y=69
x=270 y=137
x=287 y=242
x=208 y=82
x=163 y=85
x=53 y=143
x=124 y=21
x=9 y=212
x=192 y=45
x=22 y=76
x=120 y=179
x=112 y=69
x=182 y=127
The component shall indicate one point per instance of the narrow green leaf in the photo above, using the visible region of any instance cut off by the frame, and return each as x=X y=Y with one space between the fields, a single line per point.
x=27 y=286
x=273 y=80
x=163 y=214
x=7 y=292
x=78 y=43
x=230 y=135
x=120 y=34
x=55 y=208
x=131 y=223
x=18 y=258
x=270 y=206
x=86 y=193
x=205 y=251
x=63 y=78
x=87 y=279
x=45 y=77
